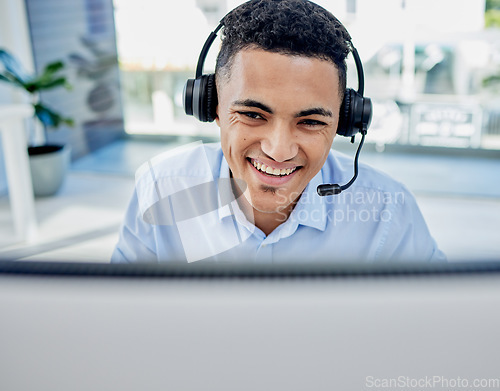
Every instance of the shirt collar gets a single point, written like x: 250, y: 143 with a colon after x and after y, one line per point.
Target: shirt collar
x: 309, y: 211
x: 224, y: 174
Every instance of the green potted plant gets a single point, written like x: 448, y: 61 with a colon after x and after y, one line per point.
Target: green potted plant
x: 48, y: 162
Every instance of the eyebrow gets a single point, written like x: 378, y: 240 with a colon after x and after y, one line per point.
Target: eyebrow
x: 313, y: 111
x: 253, y: 103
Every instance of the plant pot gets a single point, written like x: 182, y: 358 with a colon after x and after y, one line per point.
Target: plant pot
x: 48, y: 164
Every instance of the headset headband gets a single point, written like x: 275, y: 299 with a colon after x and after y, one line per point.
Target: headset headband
x: 213, y: 35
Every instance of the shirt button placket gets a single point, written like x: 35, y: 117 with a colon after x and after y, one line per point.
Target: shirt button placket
x: 264, y: 252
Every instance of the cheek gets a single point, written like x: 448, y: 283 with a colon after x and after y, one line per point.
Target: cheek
x: 318, y: 147
x: 230, y: 127
x: 232, y: 142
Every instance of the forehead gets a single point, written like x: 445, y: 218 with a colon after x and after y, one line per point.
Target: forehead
x: 281, y: 77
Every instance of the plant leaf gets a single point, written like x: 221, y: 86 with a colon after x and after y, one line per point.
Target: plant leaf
x: 13, y: 66
x: 50, y: 118
x: 53, y: 67
x: 12, y: 79
x: 45, y: 84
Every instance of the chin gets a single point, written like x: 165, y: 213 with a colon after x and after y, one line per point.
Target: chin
x: 267, y: 201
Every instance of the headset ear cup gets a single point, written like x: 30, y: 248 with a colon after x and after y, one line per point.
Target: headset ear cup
x: 211, y: 99
x: 187, y: 97
x: 355, y: 114
x: 344, y: 127
x: 367, y: 110
x: 205, y: 98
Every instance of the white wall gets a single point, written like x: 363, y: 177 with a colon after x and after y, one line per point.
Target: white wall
x: 14, y: 37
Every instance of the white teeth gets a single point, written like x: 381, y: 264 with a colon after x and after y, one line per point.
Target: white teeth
x: 272, y: 171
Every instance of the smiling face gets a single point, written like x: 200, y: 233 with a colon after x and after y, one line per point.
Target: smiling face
x: 278, y: 115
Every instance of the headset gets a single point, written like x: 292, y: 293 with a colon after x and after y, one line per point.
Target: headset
x: 200, y: 100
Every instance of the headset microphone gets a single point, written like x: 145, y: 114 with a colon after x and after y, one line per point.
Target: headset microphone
x: 200, y: 100
x: 332, y: 189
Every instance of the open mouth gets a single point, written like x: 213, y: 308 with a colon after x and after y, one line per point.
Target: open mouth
x: 273, y: 172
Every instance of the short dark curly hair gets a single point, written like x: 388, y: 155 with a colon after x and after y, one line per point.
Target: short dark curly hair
x: 291, y: 27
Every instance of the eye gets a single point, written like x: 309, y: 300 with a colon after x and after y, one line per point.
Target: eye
x: 312, y: 122
x: 250, y: 114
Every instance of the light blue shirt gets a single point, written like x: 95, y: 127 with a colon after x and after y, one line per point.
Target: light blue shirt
x: 183, y: 209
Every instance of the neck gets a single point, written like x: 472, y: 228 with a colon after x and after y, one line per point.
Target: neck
x: 267, y: 222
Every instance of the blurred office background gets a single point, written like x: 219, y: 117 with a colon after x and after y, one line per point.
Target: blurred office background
x: 432, y: 69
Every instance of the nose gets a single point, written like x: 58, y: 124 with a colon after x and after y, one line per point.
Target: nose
x: 279, y: 143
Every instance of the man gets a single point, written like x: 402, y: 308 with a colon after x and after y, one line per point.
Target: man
x: 280, y: 82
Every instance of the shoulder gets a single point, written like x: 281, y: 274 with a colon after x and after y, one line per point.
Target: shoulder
x: 380, y: 210
x: 373, y: 190
x: 194, y: 159
x: 175, y: 171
